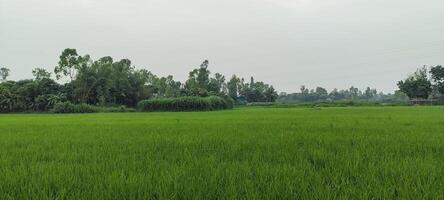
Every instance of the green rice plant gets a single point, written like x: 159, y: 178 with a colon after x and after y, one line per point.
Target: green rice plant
x: 244, y: 153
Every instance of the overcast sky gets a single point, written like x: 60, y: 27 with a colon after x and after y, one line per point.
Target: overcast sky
x: 287, y: 43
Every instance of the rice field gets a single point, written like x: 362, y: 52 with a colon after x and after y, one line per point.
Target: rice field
x: 246, y: 153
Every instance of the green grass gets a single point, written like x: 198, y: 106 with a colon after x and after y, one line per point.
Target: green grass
x: 248, y: 153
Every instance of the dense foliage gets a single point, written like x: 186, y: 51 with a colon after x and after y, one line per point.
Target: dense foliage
x: 30, y: 95
x: 106, y: 82
x: 190, y: 103
x: 424, y: 83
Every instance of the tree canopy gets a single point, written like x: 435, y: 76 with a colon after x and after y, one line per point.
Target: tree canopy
x: 437, y: 74
x: 4, y: 73
x: 416, y: 85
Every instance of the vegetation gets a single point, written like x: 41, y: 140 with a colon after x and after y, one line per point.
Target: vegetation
x: 353, y: 94
x: 247, y: 153
x: 108, y: 83
x: 338, y: 103
x: 424, y: 83
x: 417, y: 85
x: 4, y: 73
x: 191, y: 103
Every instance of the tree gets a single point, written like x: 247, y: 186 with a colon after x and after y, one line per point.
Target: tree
x: 257, y: 91
x: 416, y: 85
x: 321, y: 93
x: 167, y: 87
x: 354, y: 92
x: 198, y: 80
x: 69, y: 63
x: 270, y: 94
x: 40, y: 73
x: 233, y: 87
x: 216, y: 85
x: 4, y: 73
x: 370, y: 93
x: 304, y: 90
x: 437, y: 74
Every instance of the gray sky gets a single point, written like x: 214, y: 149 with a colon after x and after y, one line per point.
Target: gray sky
x: 288, y: 43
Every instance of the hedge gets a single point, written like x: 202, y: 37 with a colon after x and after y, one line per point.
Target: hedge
x: 189, y: 103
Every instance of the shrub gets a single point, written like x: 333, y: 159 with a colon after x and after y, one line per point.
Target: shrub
x: 189, y: 103
x: 68, y: 107
x: 229, y: 102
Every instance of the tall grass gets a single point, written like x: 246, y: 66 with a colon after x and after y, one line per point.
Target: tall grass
x: 248, y: 153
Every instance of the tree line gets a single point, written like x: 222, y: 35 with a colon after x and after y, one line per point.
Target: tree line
x: 106, y: 82
x: 320, y: 94
x: 425, y: 83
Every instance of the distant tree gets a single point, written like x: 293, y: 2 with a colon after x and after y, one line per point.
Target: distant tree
x: 370, y: 93
x: 270, y: 94
x: 252, y: 82
x: 257, y: 91
x: 203, y: 75
x: 334, y: 94
x: 233, y: 86
x: 4, y: 73
x: 69, y: 63
x: 217, y: 85
x: 416, y: 85
x: 168, y: 87
x: 321, y: 93
x: 198, y: 80
x: 40, y: 73
x: 354, y: 92
x: 437, y: 74
x: 304, y: 90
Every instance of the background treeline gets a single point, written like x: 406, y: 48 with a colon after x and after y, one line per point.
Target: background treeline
x: 353, y: 94
x: 427, y: 83
x: 109, y: 83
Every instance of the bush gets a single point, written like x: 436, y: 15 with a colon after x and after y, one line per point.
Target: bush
x: 186, y: 104
x: 229, y: 102
x: 68, y: 107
